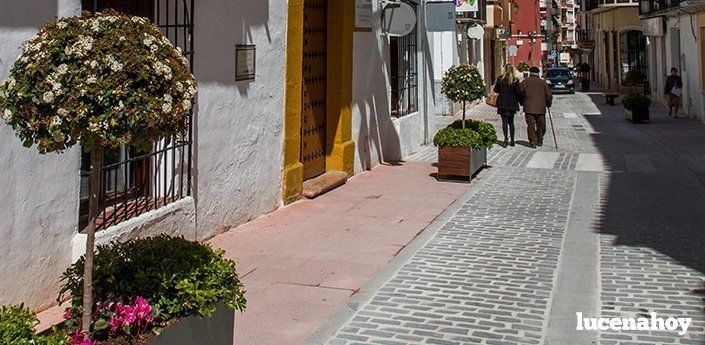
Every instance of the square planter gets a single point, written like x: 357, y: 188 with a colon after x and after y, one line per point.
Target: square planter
x: 460, y: 161
x: 637, y: 115
x: 215, y: 330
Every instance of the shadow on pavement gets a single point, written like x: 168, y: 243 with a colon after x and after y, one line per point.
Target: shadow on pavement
x: 655, y: 194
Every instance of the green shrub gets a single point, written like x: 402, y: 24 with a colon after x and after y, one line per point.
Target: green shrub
x: 477, y: 134
x: 17, y: 328
x: 179, y: 278
x: 635, y: 100
x: 17, y: 325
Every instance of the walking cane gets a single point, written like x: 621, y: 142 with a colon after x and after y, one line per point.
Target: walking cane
x: 553, y: 130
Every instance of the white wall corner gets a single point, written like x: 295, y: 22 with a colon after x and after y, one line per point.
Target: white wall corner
x: 78, y: 246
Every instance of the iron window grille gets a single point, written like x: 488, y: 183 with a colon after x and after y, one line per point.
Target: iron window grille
x: 634, y: 53
x: 404, y: 73
x: 134, y: 182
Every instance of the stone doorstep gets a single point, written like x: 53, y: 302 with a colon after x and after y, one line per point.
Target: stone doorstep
x: 324, y: 183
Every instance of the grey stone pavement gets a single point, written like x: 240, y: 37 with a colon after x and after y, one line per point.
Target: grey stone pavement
x: 610, y: 224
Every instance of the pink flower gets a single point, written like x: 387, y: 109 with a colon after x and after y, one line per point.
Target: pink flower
x: 81, y: 339
x: 128, y: 313
x: 115, y: 323
x: 143, y: 309
x: 67, y: 314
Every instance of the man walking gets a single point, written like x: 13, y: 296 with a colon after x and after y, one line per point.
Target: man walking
x: 537, y: 96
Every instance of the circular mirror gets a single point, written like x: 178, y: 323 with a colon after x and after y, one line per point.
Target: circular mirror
x: 398, y: 19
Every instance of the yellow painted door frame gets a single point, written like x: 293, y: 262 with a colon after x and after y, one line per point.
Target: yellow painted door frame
x: 340, y: 149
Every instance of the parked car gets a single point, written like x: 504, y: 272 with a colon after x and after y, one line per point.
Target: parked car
x: 560, y: 79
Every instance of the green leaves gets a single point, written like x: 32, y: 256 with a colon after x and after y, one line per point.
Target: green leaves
x: 17, y: 328
x: 635, y: 100
x: 179, y: 278
x: 477, y: 134
x: 463, y: 83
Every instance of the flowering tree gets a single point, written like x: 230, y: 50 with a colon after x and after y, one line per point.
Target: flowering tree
x: 105, y: 80
x: 463, y: 83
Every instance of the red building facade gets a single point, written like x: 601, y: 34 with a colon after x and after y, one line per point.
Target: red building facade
x: 526, y: 33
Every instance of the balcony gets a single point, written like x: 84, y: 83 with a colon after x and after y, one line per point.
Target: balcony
x: 649, y: 8
x: 596, y: 4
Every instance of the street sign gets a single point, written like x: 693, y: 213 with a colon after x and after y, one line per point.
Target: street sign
x: 512, y: 49
x: 398, y: 19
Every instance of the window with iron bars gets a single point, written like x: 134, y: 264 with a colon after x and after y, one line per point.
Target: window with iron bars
x: 404, y: 73
x: 134, y: 182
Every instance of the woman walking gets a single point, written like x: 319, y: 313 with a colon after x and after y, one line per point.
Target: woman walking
x: 673, y: 91
x: 508, y: 98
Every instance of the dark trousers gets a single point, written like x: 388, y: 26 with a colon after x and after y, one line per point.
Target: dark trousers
x: 536, y: 128
x: 507, y: 123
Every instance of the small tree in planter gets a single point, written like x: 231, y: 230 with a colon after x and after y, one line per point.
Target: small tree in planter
x: 104, y: 80
x: 637, y: 106
x: 462, y: 148
x: 463, y: 83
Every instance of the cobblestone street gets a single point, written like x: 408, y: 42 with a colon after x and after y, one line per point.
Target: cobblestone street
x: 610, y: 224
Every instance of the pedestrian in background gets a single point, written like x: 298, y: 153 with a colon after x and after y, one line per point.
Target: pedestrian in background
x: 508, y: 97
x: 673, y: 91
x: 537, y: 97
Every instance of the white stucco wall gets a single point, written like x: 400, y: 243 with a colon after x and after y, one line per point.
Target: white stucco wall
x: 379, y: 137
x: 239, y: 127
x: 39, y: 193
x: 692, y: 99
x: 237, y: 149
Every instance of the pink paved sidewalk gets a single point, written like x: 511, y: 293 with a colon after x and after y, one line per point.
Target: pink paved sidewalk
x: 302, y: 262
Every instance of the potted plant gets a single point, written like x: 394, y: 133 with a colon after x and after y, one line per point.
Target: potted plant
x: 157, y: 290
x: 637, y: 107
x: 584, y: 81
x: 523, y: 67
x: 106, y: 80
x: 462, y: 148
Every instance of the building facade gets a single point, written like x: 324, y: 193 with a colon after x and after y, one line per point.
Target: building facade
x: 330, y: 92
x: 526, y: 33
x: 620, y: 61
x: 674, y: 29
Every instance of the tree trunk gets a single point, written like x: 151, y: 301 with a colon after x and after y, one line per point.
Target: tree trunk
x: 463, y: 114
x: 94, y: 199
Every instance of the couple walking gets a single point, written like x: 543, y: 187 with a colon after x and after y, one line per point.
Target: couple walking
x: 533, y: 93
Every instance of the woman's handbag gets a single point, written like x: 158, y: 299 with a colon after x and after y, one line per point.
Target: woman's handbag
x: 491, y: 99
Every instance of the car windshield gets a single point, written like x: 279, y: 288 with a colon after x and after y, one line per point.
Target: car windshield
x: 558, y: 73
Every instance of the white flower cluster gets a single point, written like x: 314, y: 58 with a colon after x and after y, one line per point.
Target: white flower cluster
x: 7, y: 115
x: 89, y: 88
x: 114, y: 65
x: 81, y: 47
x: 162, y: 69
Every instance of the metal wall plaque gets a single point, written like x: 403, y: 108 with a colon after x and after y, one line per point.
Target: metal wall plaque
x: 245, y: 62
x: 363, y: 15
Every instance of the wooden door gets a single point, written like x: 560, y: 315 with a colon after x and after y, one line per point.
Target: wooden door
x: 313, y: 112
